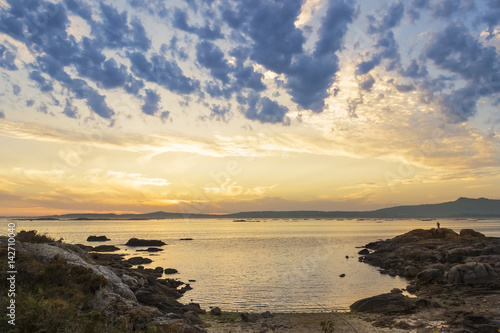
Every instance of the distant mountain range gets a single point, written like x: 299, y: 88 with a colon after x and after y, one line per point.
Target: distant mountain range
x: 461, y: 208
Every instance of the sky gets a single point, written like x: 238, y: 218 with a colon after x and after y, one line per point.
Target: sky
x: 220, y: 106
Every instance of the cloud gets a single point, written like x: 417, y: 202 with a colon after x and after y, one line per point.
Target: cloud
x: 211, y: 57
x: 265, y: 110
x: 456, y: 50
x: 153, y: 7
x: 70, y: 110
x: 415, y: 70
x: 163, y: 72
x: 415, y: 8
x: 2, y: 115
x: 220, y: 113
x: 164, y: 115
x: 43, y: 84
x: 8, y: 57
x: 151, y: 102
x: 115, y: 31
x: 402, y: 88
x: 180, y: 22
x: 388, y: 48
x: 367, y: 84
x: 79, y: 8
x: 390, y: 20
x: 175, y: 49
x: 490, y: 17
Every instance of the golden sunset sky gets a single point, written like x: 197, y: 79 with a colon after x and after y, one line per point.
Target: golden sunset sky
x: 227, y: 106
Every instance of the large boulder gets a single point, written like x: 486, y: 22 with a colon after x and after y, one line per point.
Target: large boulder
x: 459, y: 254
x: 471, y: 233
x: 144, y: 242
x: 429, y: 275
x: 384, y: 303
x: 410, y: 271
x: 470, y: 273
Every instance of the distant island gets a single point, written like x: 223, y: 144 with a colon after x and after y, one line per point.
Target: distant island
x: 460, y: 208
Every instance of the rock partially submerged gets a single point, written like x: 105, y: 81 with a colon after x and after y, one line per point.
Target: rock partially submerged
x: 106, y: 248
x: 97, y: 239
x: 150, y: 249
x: 144, y: 242
x: 139, y: 261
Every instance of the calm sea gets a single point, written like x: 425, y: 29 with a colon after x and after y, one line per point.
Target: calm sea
x: 276, y: 265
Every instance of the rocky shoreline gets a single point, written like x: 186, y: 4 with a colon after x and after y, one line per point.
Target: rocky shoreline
x: 454, y: 286
x: 454, y: 278
x: 119, y: 298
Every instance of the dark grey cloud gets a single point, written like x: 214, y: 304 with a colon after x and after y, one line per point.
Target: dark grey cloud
x: 16, y: 90
x: 8, y: 57
x: 246, y: 77
x: 79, y: 8
x: 215, y: 90
x: 44, y: 84
x: 264, y: 110
x: 163, y: 72
x: 220, y: 113
x: 176, y: 51
x: 30, y: 102
x: 367, y: 84
x: 386, y: 49
x: 490, y: 16
x: 152, y: 7
x: 271, y: 25
x: 180, y: 21
x: 446, y: 8
x: 390, y: 20
x: 151, y: 102
x: 210, y: 56
x: 2, y: 115
x: 405, y: 87
x: 164, y: 115
x: 41, y: 25
x: 415, y: 7
x: 278, y: 45
x: 415, y: 70
x: 70, y: 110
x: 115, y: 31
x: 458, y: 51
x: 96, y: 102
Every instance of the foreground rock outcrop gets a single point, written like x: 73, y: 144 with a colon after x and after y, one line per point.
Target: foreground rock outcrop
x: 445, y: 269
x: 70, y: 291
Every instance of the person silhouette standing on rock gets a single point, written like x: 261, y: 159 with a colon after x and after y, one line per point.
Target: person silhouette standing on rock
x: 438, y: 225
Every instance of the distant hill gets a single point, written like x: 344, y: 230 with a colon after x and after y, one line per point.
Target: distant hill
x: 461, y: 208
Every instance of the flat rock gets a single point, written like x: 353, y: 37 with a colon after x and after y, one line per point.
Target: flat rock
x: 171, y: 271
x: 144, y: 242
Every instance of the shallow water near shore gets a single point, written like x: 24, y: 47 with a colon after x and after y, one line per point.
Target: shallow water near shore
x: 274, y: 265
